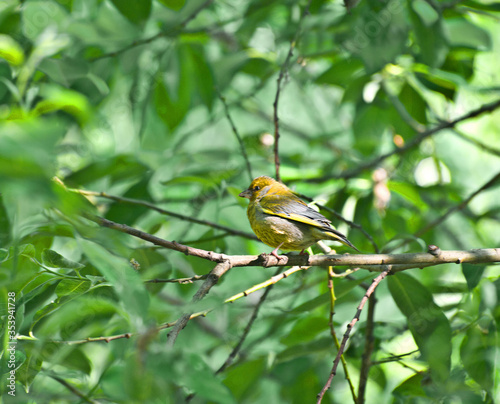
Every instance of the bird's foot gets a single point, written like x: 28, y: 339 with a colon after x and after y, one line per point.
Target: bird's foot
x: 278, y: 257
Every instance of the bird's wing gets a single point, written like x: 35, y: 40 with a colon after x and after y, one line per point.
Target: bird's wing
x: 292, y: 208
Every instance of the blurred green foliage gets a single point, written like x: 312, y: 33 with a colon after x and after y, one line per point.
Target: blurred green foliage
x: 127, y: 98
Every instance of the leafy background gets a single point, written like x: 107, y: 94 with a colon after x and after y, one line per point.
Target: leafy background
x: 134, y: 98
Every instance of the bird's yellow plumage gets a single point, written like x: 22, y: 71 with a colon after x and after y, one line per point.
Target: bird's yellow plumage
x: 281, y: 220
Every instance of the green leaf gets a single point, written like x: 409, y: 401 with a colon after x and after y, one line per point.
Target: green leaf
x: 477, y: 352
x: 430, y: 38
x: 117, y: 168
x: 204, y: 382
x: 126, y: 282
x: 52, y: 259
x: 493, y: 6
x: 461, y: 32
x: 342, y: 73
x: 4, y: 254
x: 243, y: 377
x: 4, y: 224
x: 11, y: 51
x: 61, y: 99
x: 72, y: 287
x: 425, y: 11
x: 31, y: 366
x: 175, y: 5
x: 305, y: 330
x: 473, y: 274
x: 171, y: 107
x: 28, y: 250
x: 203, y: 76
x: 409, y: 192
x: 414, y: 103
x: 429, y: 326
x: 411, y: 387
x: 136, y: 11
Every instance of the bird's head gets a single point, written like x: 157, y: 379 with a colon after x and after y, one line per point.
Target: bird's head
x: 260, y: 186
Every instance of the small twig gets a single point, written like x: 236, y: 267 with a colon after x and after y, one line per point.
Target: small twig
x: 139, y: 202
x: 366, y: 357
x: 236, y: 133
x: 73, y: 389
x: 394, y: 358
x: 281, y: 75
x: 213, y: 277
x: 180, y: 281
x: 460, y: 206
x: 110, y: 338
x: 269, y: 282
x: 238, y: 346
x: 367, y: 295
x: 174, y: 30
x: 333, y: 298
x: 474, y: 141
x: 409, y: 145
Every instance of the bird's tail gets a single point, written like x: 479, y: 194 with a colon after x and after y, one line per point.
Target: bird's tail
x: 338, y: 236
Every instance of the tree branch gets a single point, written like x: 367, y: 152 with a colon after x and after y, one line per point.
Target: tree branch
x: 174, y: 30
x: 213, y: 277
x: 281, y: 75
x: 122, y: 199
x: 367, y: 295
x: 460, y: 206
x: 412, y: 143
x: 366, y: 361
x: 73, y: 389
x: 238, y: 137
x: 372, y: 262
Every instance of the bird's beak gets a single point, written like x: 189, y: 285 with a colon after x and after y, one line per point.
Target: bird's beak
x: 247, y: 193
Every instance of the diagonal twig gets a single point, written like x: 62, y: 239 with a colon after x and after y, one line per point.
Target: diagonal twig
x: 412, y: 143
x: 236, y: 133
x: 149, y: 205
x: 365, y: 298
x: 174, y: 30
x: 281, y: 75
x: 492, y: 182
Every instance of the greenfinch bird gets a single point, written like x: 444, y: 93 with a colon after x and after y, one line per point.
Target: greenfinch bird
x: 280, y: 219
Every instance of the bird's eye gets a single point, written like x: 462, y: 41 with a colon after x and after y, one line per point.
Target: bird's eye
x: 256, y: 188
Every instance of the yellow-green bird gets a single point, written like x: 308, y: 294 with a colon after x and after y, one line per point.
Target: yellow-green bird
x: 282, y: 220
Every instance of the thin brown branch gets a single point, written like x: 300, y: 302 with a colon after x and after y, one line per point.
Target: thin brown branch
x: 238, y: 137
x: 149, y: 205
x: 281, y: 75
x: 172, y: 31
x: 367, y: 295
x: 110, y: 338
x: 372, y: 262
x: 171, y: 245
x: 247, y: 329
x: 213, y: 277
x: 394, y: 358
x: 333, y: 298
x: 409, y: 145
x: 474, y: 141
x: 492, y: 182
x: 73, y: 389
x: 366, y: 362
x: 181, y: 281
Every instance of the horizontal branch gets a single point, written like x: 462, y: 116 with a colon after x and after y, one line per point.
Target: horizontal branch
x: 372, y: 262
